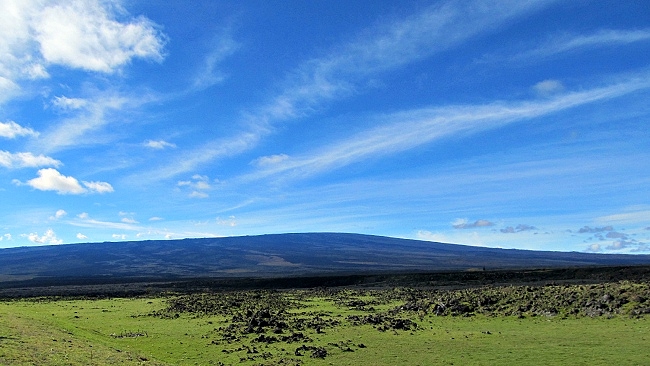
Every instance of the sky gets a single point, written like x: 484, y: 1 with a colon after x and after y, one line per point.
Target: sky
x: 511, y: 123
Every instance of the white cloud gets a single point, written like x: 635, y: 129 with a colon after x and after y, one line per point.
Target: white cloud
x: 81, y: 34
x: 594, y: 248
x: 270, y: 160
x: 465, y: 238
x: 431, y: 236
x: 67, y: 104
x: 18, y: 54
x: 129, y: 220
x: 618, y: 245
x: 84, y: 34
x: 58, y: 214
x: 199, y: 185
x: 26, y: 160
x: 230, y: 221
x: 11, y: 129
x: 49, y: 237
x: 158, y: 144
x: 98, y: 187
x: 548, y: 87
x: 8, y: 89
x: 81, y: 236
x: 119, y: 236
x: 197, y: 194
x: 83, y: 215
x: 51, y: 180
x: 156, y: 218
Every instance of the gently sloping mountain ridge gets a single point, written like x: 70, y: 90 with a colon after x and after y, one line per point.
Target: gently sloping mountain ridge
x: 278, y: 255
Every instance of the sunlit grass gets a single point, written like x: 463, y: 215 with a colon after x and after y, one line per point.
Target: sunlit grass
x: 122, y: 331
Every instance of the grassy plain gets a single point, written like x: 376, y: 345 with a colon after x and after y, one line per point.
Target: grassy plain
x: 334, y: 327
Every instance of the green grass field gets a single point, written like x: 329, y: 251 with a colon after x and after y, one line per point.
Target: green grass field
x: 304, y: 327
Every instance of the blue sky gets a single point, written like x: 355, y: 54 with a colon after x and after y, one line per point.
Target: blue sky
x: 513, y: 124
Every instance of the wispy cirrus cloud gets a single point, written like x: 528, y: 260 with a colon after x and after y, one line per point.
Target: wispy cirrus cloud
x: 605, y: 37
x: 87, y: 116
x: 563, y: 43
x: 343, y: 71
x: 633, y: 215
x: 270, y: 160
x: 406, y: 130
x: 87, y: 221
x: 222, y: 46
x: 159, y: 144
x: 130, y: 225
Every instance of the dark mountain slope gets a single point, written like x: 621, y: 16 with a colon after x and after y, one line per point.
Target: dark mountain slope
x: 278, y: 255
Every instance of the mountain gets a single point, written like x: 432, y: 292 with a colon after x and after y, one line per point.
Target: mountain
x: 277, y: 255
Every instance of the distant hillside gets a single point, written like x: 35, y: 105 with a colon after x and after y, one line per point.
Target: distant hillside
x: 278, y: 255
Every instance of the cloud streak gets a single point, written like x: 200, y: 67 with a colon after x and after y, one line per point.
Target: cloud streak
x: 410, y: 129
x: 88, y: 115
x: 158, y: 144
x: 605, y: 37
x: 341, y: 72
x: 559, y: 44
x: 209, y: 74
